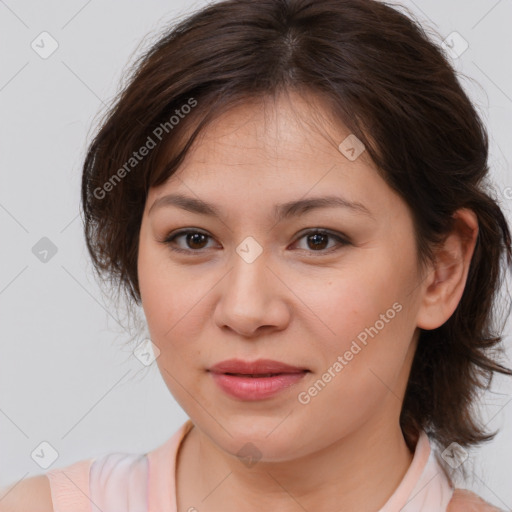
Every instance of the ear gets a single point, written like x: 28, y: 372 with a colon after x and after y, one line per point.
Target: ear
x: 444, y: 286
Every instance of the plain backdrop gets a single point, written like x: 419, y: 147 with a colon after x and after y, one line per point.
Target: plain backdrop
x: 67, y: 374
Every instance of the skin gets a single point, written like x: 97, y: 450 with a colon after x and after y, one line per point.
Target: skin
x: 295, y: 303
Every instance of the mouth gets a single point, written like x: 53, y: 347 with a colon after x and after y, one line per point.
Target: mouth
x: 258, y: 368
x: 258, y: 380
x: 258, y: 375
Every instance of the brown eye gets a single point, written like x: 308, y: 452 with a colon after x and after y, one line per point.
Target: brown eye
x: 194, y: 241
x: 318, y: 241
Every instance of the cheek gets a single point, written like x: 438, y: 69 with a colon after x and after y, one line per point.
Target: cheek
x: 159, y: 290
x: 151, y: 290
x: 370, y: 326
x: 352, y: 301
x: 171, y: 300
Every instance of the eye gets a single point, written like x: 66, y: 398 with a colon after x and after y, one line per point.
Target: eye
x: 318, y: 240
x: 194, y: 241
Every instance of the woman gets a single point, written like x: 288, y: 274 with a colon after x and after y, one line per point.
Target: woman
x: 293, y: 192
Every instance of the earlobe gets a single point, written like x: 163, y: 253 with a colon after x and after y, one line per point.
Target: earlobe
x: 443, y: 289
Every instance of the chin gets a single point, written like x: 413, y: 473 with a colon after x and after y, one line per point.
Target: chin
x: 259, y: 439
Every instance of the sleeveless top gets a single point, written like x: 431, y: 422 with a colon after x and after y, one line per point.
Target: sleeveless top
x: 123, y: 482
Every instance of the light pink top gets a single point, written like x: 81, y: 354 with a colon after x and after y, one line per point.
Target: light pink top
x: 120, y: 482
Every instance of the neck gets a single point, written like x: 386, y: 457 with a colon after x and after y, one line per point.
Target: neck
x: 360, y: 470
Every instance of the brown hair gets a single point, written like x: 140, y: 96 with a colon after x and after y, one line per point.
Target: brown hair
x: 391, y: 86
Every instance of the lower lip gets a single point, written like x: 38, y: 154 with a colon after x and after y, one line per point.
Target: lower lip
x: 255, y: 388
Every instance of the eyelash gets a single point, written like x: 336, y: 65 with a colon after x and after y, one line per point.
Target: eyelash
x: 341, y: 240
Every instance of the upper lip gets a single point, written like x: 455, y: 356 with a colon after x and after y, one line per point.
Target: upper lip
x: 260, y: 366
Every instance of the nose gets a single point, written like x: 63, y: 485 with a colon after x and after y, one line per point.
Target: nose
x: 253, y: 298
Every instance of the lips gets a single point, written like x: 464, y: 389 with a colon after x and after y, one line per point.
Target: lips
x: 256, y: 380
x: 259, y: 368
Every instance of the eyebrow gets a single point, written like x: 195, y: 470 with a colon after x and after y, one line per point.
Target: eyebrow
x: 281, y: 211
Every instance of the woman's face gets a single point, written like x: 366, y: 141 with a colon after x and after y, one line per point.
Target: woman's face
x: 253, y: 284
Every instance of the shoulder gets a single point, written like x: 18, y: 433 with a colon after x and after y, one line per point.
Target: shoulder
x: 29, y: 494
x: 467, y: 501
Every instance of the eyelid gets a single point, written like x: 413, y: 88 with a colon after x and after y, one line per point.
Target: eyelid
x: 339, y: 237
x: 180, y: 232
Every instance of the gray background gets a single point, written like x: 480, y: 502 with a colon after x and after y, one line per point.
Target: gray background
x: 67, y: 374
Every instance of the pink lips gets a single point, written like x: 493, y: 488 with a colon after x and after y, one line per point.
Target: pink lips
x: 255, y: 380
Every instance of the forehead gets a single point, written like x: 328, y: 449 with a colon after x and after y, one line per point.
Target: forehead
x: 283, y: 135
x: 282, y: 148
x: 289, y: 123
